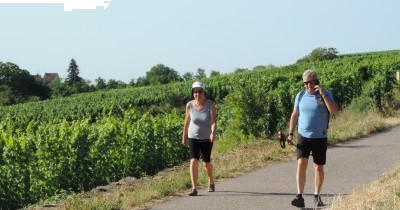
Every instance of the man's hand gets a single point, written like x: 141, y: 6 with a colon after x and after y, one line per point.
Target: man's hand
x: 319, y: 88
x: 289, y: 139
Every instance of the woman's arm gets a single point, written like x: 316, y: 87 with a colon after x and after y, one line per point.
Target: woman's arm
x: 186, y: 126
x: 213, y: 121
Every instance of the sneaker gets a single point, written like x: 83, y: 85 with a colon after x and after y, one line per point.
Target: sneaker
x: 193, y: 193
x: 211, y: 187
x: 318, y: 202
x: 298, y: 201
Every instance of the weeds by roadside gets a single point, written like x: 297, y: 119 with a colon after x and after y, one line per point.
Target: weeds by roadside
x: 381, y: 194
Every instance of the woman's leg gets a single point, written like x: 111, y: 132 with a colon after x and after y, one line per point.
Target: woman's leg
x: 194, y: 172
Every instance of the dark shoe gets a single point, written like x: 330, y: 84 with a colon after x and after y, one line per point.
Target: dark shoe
x: 211, y: 187
x: 193, y: 193
x: 318, y: 202
x: 298, y: 201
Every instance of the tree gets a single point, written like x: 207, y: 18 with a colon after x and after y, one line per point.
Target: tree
x: 260, y: 67
x: 319, y: 54
x: 187, y: 76
x: 114, y: 84
x: 200, y: 74
x: 73, y: 73
x: 132, y: 82
x: 239, y: 70
x: 215, y: 73
x: 161, y: 74
x: 58, y: 88
x: 142, y: 81
x: 17, y: 85
x: 100, y: 83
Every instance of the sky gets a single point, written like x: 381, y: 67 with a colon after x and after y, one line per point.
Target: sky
x: 129, y: 37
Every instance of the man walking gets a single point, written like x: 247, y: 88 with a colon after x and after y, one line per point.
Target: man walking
x: 311, y: 116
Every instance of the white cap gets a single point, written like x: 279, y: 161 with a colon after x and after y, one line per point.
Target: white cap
x: 199, y: 85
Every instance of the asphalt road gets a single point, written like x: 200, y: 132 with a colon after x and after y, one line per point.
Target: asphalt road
x: 349, y: 165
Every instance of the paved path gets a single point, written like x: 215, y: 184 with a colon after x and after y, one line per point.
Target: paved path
x: 349, y: 165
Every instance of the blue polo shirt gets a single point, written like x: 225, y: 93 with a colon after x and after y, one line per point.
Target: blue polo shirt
x: 313, y: 117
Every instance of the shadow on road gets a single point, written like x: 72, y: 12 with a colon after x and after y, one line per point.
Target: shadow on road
x: 241, y: 193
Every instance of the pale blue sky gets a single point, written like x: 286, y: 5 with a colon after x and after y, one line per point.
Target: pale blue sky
x: 129, y: 37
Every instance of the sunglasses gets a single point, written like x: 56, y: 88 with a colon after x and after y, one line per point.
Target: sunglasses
x: 312, y: 82
x: 198, y: 91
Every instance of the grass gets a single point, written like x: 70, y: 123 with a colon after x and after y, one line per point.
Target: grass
x: 144, y: 192
x: 351, y: 125
x: 383, y: 194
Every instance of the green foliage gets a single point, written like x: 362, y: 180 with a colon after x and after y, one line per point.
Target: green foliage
x: 187, y: 76
x: 73, y: 73
x: 161, y: 74
x: 380, y: 89
x: 80, y: 155
x: 17, y: 85
x: 215, y: 73
x: 320, y: 54
x: 114, y: 84
x: 100, y: 83
x: 200, y: 74
x: 361, y: 104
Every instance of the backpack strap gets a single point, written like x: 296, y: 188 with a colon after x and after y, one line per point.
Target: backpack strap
x: 301, y: 95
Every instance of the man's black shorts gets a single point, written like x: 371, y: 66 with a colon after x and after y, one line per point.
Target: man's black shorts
x: 200, y: 145
x: 318, y: 147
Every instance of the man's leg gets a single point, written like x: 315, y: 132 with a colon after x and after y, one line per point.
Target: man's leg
x: 319, y: 175
x: 319, y: 151
x: 301, y: 174
x: 300, y: 181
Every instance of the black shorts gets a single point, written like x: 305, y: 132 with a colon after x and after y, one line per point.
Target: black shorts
x: 318, y: 147
x: 200, y: 145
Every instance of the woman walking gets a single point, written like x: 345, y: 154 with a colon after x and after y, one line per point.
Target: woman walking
x: 199, y: 134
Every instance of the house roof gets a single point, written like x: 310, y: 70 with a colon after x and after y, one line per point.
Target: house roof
x: 48, y: 77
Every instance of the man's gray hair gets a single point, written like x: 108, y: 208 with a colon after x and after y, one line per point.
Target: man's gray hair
x: 310, y: 74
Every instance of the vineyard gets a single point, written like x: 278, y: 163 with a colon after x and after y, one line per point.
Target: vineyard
x: 87, y: 140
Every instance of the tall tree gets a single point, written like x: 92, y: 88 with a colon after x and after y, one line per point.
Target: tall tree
x: 73, y: 73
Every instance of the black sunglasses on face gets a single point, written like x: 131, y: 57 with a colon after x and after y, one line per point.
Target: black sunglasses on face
x: 312, y: 82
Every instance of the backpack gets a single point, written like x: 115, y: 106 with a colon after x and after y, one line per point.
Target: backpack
x: 327, y: 110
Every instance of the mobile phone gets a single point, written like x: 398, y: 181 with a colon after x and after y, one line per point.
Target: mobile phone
x: 317, y: 83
